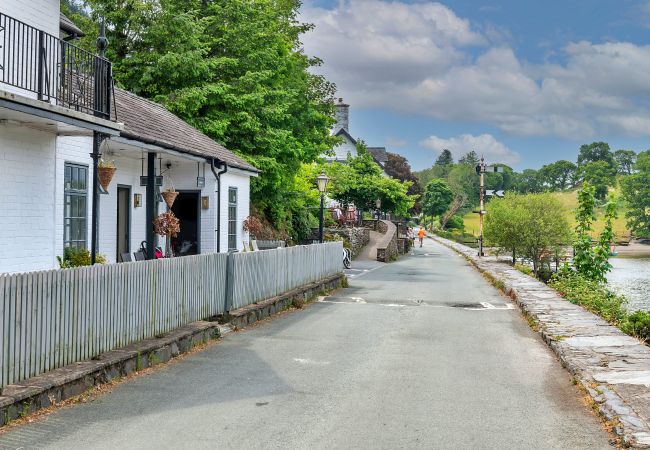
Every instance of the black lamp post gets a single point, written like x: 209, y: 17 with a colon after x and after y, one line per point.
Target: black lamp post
x: 322, y: 181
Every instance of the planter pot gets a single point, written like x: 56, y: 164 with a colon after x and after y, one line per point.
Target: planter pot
x: 105, y: 175
x: 169, y: 197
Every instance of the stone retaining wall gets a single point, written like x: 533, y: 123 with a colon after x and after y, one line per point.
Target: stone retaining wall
x: 357, y: 237
x: 613, y: 367
x: 387, y: 249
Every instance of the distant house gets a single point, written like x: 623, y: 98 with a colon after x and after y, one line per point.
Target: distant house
x: 348, y: 148
x: 380, y: 155
x: 58, y: 108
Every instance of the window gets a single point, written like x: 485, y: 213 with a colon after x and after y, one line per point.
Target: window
x: 75, y: 206
x: 232, y: 218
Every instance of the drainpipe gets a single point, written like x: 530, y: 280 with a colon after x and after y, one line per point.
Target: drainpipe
x: 217, y: 175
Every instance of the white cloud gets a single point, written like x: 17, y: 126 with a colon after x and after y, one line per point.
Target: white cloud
x: 484, y: 145
x: 422, y: 58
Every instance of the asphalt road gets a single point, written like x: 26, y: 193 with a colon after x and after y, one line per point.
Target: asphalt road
x: 391, y: 363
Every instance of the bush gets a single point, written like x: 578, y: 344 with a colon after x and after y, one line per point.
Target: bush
x: 592, y: 295
x: 455, y: 223
x: 77, y: 257
x: 638, y: 324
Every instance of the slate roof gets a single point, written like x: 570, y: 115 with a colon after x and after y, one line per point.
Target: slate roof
x: 152, y: 123
x: 68, y: 26
x: 345, y: 132
x: 379, y: 155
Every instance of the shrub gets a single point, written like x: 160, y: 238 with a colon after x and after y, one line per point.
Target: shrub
x: 592, y: 295
x: 77, y: 257
x: 455, y: 223
x: 638, y: 324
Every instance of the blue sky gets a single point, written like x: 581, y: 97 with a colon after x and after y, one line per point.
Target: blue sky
x: 523, y: 82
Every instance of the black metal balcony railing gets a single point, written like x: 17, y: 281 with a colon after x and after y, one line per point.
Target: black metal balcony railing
x: 55, y: 70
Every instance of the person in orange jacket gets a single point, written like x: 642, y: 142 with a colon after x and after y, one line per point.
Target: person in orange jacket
x: 421, y: 235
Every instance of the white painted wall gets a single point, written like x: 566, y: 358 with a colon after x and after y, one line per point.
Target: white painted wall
x: 41, y: 14
x: 27, y: 187
x: 240, y: 180
x: 341, y: 153
x: 32, y: 166
x: 182, y: 176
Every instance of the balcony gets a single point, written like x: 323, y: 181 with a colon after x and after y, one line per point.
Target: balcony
x: 41, y: 66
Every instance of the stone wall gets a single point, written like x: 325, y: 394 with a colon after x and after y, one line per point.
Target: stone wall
x: 387, y: 249
x: 357, y: 237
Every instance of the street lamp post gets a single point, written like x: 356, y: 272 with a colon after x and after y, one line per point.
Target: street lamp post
x: 377, y: 212
x: 322, y: 181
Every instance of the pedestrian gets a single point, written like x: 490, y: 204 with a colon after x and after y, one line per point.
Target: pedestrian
x: 421, y: 235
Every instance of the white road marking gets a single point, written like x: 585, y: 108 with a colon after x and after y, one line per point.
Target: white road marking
x: 486, y: 306
x: 311, y: 362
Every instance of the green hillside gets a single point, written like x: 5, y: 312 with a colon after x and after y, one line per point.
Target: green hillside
x: 569, y: 200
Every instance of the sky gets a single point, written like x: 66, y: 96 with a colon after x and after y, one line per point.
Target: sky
x: 522, y: 82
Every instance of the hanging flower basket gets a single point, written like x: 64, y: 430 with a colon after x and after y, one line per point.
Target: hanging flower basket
x: 169, y: 195
x: 105, y: 172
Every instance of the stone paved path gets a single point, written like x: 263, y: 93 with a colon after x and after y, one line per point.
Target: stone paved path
x: 614, y: 367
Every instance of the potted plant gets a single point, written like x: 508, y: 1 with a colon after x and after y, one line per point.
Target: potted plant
x: 169, y: 195
x: 105, y: 172
x: 168, y: 225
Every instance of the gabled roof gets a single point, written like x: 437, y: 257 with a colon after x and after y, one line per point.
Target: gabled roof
x: 68, y: 26
x: 345, y: 133
x: 379, y: 155
x: 152, y: 123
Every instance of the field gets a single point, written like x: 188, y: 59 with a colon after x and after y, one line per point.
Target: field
x: 569, y: 201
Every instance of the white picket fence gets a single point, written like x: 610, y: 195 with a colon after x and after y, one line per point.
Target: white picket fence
x: 260, y: 275
x: 53, y: 318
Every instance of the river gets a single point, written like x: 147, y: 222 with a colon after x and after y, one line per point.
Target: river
x: 631, y: 277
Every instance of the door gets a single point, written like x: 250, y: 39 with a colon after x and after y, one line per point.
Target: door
x: 123, y: 221
x: 187, y: 208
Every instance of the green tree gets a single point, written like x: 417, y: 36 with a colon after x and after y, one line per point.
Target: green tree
x: 236, y: 70
x: 445, y: 158
x: 596, y: 151
x: 600, y: 175
x: 464, y: 183
x: 625, y: 160
x: 398, y: 167
x: 504, y: 224
x: 528, y: 181
x: 360, y: 182
x: 469, y: 159
x: 592, y: 262
x: 533, y: 226
x: 437, y: 198
x: 636, y: 193
x: 558, y: 175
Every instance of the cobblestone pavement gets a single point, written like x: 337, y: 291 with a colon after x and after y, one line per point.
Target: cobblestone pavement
x: 614, y: 367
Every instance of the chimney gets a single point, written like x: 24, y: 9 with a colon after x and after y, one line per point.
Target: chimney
x: 342, y: 116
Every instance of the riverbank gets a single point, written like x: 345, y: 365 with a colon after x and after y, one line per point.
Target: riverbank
x: 612, y: 367
x: 633, y: 250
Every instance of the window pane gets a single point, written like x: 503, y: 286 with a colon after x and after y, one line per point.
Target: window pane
x: 75, y: 206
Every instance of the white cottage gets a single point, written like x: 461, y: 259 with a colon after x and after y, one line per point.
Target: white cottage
x: 58, y: 115
x: 348, y: 147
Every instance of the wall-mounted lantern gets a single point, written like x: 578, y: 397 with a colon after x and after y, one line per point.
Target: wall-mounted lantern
x: 137, y: 200
x: 205, y: 202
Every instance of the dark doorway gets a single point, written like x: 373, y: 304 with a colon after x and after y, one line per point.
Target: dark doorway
x: 187, y: 208
x: 123, y: 221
